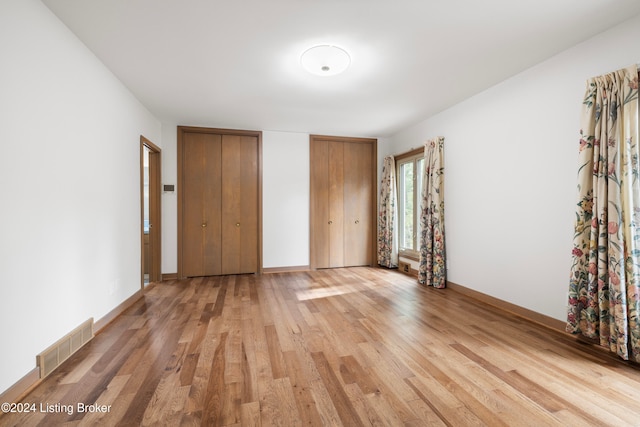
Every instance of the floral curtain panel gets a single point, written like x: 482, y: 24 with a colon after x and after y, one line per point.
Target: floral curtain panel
x: 432, y: 269
x: 387, y: 216
x: 604, y: 289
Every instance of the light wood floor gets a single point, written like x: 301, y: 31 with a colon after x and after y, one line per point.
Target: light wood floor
x: 348, y: 347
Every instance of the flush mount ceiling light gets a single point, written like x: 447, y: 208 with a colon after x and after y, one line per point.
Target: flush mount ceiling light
x: 325, y: 60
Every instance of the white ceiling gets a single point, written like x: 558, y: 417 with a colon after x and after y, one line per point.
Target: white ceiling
x: 236, y: 64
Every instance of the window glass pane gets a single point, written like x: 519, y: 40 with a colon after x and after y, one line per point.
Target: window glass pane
x: 406, y: 205
x: 419, y: 174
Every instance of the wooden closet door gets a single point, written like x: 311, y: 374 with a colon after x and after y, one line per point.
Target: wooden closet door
x: 249, y: 205
x: 357, y: 203
x: 342, y: 204
x: 327, y: 200
x: 239, y: 204
x: 202, y: 186
x: 319, y: 203
x: 219, y: 208
x: 336, y: 203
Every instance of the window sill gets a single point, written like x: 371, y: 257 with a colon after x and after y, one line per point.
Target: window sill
x: 414, y: 256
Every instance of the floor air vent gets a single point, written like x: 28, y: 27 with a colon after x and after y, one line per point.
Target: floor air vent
x: 404, y: 267
x: 53, y: 356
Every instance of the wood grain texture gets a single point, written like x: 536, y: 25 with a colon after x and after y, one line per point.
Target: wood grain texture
x: 335, y: 176
x: 319, y: 203
x: 352, y: 346
x: 249, y: 207
x: 358, y: 186
x: 343, y: 181
x: 232, y: 193
x: 219, y: 202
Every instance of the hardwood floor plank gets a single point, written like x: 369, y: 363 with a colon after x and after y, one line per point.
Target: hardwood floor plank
x: 319, y: 394
x: 387, y: 408
x: 278, y: 367
x: 517, y: 409
x: 161, y: 352
x: 287, y: 407
x: 250, y: 414
x: 447, y: 406
x: 212, y: 406
x: 107, y: 398
x: 233, y: 353
x: 219, y: 304
x: 542, y: 396
x: 353, y: 373
x: 81, y: 369
x: 161, y: 405
x: 188, y: 369
x: 231, y: 401
x: 377, y: 414
x: 341, y: 401
x: 250, y: 393
x: 352, y: 346
x: 388, y: 373
x: 301, y: 391
x: 426, y: 415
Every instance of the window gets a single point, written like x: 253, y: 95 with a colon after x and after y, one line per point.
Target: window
x: 409, y: 169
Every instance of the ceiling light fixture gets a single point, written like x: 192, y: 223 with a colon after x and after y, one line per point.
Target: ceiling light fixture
x: 325, y: 60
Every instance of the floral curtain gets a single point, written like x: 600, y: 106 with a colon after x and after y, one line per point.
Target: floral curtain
x: 604, y: 288
x: 387, y: 216
x: 432, y: 269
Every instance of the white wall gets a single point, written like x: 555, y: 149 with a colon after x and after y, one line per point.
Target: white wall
x: 70, y: 171
x: 169, y: 201
x: 511, y: 163
x: 285, y: 199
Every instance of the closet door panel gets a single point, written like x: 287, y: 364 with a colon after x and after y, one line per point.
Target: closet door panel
x: 319, y: 238
x: 193, y: 188
x: 357, y: 184
x: 211, y: 200
x: 367, y: 202
x: 231, y: 189
x: 248, y: 215
x: 336, y: 203
x: 201, y: 210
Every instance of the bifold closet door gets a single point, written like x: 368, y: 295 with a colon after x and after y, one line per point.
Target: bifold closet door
x: 239, y: 204
x: 336, y: 204
x: 219, y: 198
x: 327, y: 203
x: 342, y: 201
x: 319, y: 203
x: 357, y: 203
x: 202, y: 205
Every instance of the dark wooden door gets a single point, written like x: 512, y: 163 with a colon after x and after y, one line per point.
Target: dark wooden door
x: 201, y: 205
x: 239, y: 204
x: 219, y: 210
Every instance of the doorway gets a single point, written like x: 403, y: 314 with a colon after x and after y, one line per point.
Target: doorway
x: 150, y: 211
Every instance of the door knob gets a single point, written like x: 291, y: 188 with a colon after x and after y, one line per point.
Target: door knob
x: 237, y: 224
x: 357, y: 221
x: 330, y: 222
x: 204, y: 224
